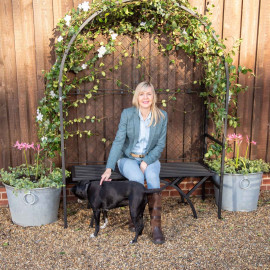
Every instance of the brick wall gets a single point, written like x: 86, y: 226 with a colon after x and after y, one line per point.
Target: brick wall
x: 3, y: 197
x: 169, y: 192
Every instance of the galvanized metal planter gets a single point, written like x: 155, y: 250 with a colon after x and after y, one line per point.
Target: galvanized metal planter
x: 240, y: 192
x: 35, y: 207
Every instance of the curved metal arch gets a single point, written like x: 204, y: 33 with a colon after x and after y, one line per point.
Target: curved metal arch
x: 88, y: 20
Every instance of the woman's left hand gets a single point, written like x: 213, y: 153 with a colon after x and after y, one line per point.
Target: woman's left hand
x: 143, y: 166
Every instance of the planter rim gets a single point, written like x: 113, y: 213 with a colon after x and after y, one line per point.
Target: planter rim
x: 6, y: 185
x: 239, y: 173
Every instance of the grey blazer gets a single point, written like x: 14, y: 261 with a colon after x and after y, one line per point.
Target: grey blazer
x: 128, y: 134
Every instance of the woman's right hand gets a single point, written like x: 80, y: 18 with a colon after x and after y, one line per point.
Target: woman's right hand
x: 106, y: 176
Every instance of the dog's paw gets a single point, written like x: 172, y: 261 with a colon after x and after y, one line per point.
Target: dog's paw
x: 105, y: 224
x: 92, y: 236
x: 80, y: 201
x: 133, y: 242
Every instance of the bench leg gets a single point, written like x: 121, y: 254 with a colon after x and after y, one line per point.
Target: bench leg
x: 184, y: 196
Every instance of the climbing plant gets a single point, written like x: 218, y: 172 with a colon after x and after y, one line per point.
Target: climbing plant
x: 172, y: 29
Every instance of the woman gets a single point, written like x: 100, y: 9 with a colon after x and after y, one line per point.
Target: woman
x: 138, y: 145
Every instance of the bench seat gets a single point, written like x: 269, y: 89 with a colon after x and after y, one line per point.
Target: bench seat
x: 171, y: 173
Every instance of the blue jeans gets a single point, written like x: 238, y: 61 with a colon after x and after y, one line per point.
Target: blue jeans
x: 130, y: 168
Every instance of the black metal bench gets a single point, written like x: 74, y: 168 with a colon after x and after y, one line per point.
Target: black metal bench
x: 171, y: 174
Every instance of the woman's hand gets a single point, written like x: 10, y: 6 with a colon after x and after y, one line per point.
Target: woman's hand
x: 106, y: 176
x: 143, y: 166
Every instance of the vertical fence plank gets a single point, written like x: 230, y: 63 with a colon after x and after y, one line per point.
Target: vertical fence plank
x: 26, y: 67
x: 43, y: 22
x: 9, y: 89
x: 232, y: 29
x: 60, y: 8
x: 199, y: 5
x: 4, y: 130
x: 260, y: 121
x: 232, y: 23
x: 217, y: 16
x: 247, y: 59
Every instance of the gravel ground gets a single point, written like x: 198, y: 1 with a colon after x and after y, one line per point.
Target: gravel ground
x: 239, y: 241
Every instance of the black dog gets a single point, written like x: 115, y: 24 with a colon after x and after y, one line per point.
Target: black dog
x: 114, y: 194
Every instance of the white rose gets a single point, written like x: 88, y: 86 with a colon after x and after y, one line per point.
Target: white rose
x: 60, y: 39
x: 84, y: 66
x: 67, y: 19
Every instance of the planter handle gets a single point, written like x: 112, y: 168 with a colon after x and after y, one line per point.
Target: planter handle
x: 33, y: 198
x: 241, y: 183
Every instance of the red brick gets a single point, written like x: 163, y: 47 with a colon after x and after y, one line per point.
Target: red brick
x: 197, y: 192
x: 4, y: 195
x: 263, y: 187
x: 3, y: 202
x: 165, y: 193
x: 169, y: 188
x: 174, y: 193
x: 208, y: 191
x: 2, y: 189
x: 266, y: 181
x: 209, y: 185
x: 189, y: 185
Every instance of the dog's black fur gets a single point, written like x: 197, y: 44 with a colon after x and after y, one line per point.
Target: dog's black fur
x: 114, y: 194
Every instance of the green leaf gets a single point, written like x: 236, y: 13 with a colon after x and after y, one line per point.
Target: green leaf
x: 169, y: 47
x: 103, y: 73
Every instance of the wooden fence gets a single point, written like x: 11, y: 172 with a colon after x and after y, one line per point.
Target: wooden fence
x: 26, y: 48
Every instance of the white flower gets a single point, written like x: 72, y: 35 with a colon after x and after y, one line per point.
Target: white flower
x: 39, y: 115
x: 84, y: 66
x: 184, y: 32
x: 142, y: 23
x: 101, y: 51
x: 52, y: 94
x: 44, y: 139
x: 67, y: 19
x: 84, y: 6
x: 60, y: 99
x: 60, y: 39
x: 114, y: 35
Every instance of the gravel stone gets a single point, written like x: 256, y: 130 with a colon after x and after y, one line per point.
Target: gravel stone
x: 240, y: 240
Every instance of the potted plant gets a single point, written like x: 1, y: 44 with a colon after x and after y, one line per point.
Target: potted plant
x: 242, y: 177
x: 33, y: 191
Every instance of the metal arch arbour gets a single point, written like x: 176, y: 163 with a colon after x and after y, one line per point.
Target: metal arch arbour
x: 89, y: 19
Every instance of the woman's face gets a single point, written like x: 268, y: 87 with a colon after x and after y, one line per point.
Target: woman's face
x: 145, y: 98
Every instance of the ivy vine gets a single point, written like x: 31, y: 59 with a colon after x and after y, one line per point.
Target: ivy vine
x: 160, y: 18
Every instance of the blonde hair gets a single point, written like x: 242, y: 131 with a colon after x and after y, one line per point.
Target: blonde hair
x: 155, y: 111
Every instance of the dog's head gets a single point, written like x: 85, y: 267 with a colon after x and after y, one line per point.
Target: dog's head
x: 80, y: 189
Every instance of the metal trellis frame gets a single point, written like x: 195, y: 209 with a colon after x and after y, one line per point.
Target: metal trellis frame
x: 88, y: 20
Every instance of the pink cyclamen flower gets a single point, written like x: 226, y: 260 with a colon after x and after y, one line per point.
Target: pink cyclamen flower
x: 19, y: 146
x: 239, y: 137
x: 231, y: 137
x: 253, y: 142
x: 31, y: 146
x: 38, y: 149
